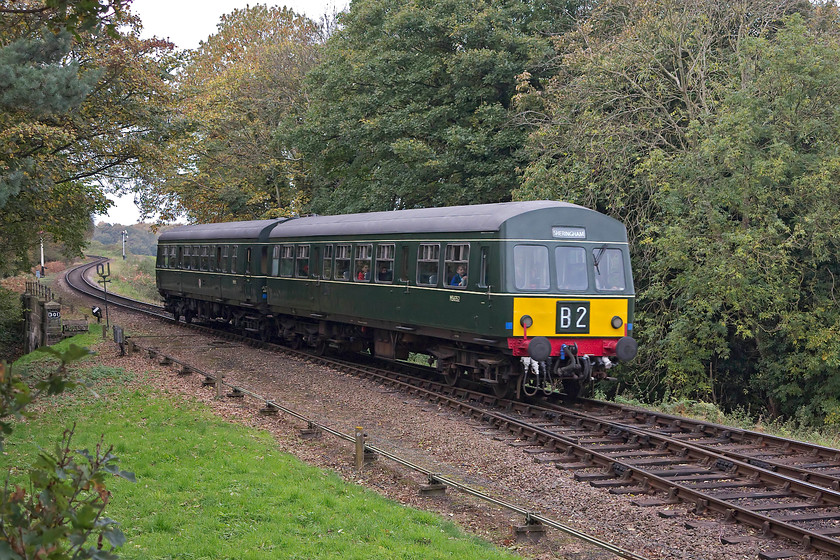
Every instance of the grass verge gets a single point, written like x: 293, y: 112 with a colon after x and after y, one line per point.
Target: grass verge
x: 207, y: 489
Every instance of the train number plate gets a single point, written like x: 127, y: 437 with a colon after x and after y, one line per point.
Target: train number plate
x: 573, y: 317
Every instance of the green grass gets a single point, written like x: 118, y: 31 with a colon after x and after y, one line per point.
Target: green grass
x: 134, y: 278
x: 827, y: 436
x: 207, y: 489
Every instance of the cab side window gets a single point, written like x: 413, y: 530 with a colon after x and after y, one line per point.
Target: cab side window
x: 275, y: 260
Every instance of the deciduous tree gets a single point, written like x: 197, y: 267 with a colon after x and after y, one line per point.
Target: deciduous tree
x: 410, y: 105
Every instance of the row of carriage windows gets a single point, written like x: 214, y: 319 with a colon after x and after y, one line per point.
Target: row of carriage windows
x: 359, y: 263
x: 364, y: 262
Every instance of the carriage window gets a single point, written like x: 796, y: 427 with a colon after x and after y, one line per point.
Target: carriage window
x: 457, y: 264
x: 225, y: 255
x: 248, y: 260
x: 571, y: 268
x: 205, y: 257
x: 326, y: 270
x: 233, y: 255
x: 428, y: 260
x: 287, y: 260
x: 302, y: 261
x: 362, y: 262
x: 342, y: 262
x: 609, y: 269
x: 275, y: 260
x: 161, y: 256
x: 180, y: 260
x: 218, y: 264
x: 195, y: 257
x: 385, y: 263
x: 530, y: 264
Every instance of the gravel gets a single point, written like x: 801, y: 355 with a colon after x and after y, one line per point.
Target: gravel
x: 437, y: 438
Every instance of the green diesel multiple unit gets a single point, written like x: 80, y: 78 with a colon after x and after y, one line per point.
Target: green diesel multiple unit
x: 522, y: 296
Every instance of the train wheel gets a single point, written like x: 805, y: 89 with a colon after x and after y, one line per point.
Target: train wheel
x: 189, y: 315
x: 451, y: 376
x: 265, y: 331
x: 176, y: 316
x: 321, y: 347
x: 503, y: 389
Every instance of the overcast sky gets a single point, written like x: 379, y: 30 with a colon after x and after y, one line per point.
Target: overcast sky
x: 186, y: 23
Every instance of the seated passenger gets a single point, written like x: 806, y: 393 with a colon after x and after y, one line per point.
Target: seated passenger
x: 385, y: 275
x: 364, y: 273
x: 460, y: 277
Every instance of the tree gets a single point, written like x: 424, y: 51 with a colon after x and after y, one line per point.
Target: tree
x: 751, y: 252
x: 237, y: 87
x: 702, y: 126
x: 410, y: 104
x: 83, y: 109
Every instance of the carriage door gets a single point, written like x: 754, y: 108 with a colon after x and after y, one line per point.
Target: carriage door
x: 248, y: 289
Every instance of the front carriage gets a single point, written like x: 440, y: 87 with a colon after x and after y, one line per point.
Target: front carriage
x: 479, y: 288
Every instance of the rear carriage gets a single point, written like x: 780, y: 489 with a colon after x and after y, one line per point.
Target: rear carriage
x: 522, y: 296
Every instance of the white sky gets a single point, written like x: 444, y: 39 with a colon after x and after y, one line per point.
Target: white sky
x: 186, y: 23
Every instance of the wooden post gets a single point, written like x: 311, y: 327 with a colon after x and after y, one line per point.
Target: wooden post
x: 360, y: 447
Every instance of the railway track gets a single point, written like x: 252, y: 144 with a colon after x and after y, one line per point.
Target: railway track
x: 783, y: 488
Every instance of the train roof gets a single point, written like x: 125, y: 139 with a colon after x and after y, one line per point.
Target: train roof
x: 473, y: 218
x: 253, y: 229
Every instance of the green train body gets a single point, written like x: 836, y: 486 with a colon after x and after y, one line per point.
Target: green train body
x: 544, y: 297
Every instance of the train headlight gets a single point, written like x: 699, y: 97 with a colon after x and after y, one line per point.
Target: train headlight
x: 616, y: 322
x: 526, y: 321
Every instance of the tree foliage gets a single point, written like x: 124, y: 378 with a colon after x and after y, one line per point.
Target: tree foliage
x: 236, y: 88
x: 711, y: 130
x: 83, y: 109
x: 410, y: 104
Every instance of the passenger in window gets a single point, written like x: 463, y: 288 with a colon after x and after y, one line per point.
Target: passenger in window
x: 385, y: 275
x: 460, y: 277
x: 364, y: 273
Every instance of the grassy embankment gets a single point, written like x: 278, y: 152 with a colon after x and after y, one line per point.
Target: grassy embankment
x: 208, y: 489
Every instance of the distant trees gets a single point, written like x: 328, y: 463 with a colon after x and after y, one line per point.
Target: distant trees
x: 141, y: 239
